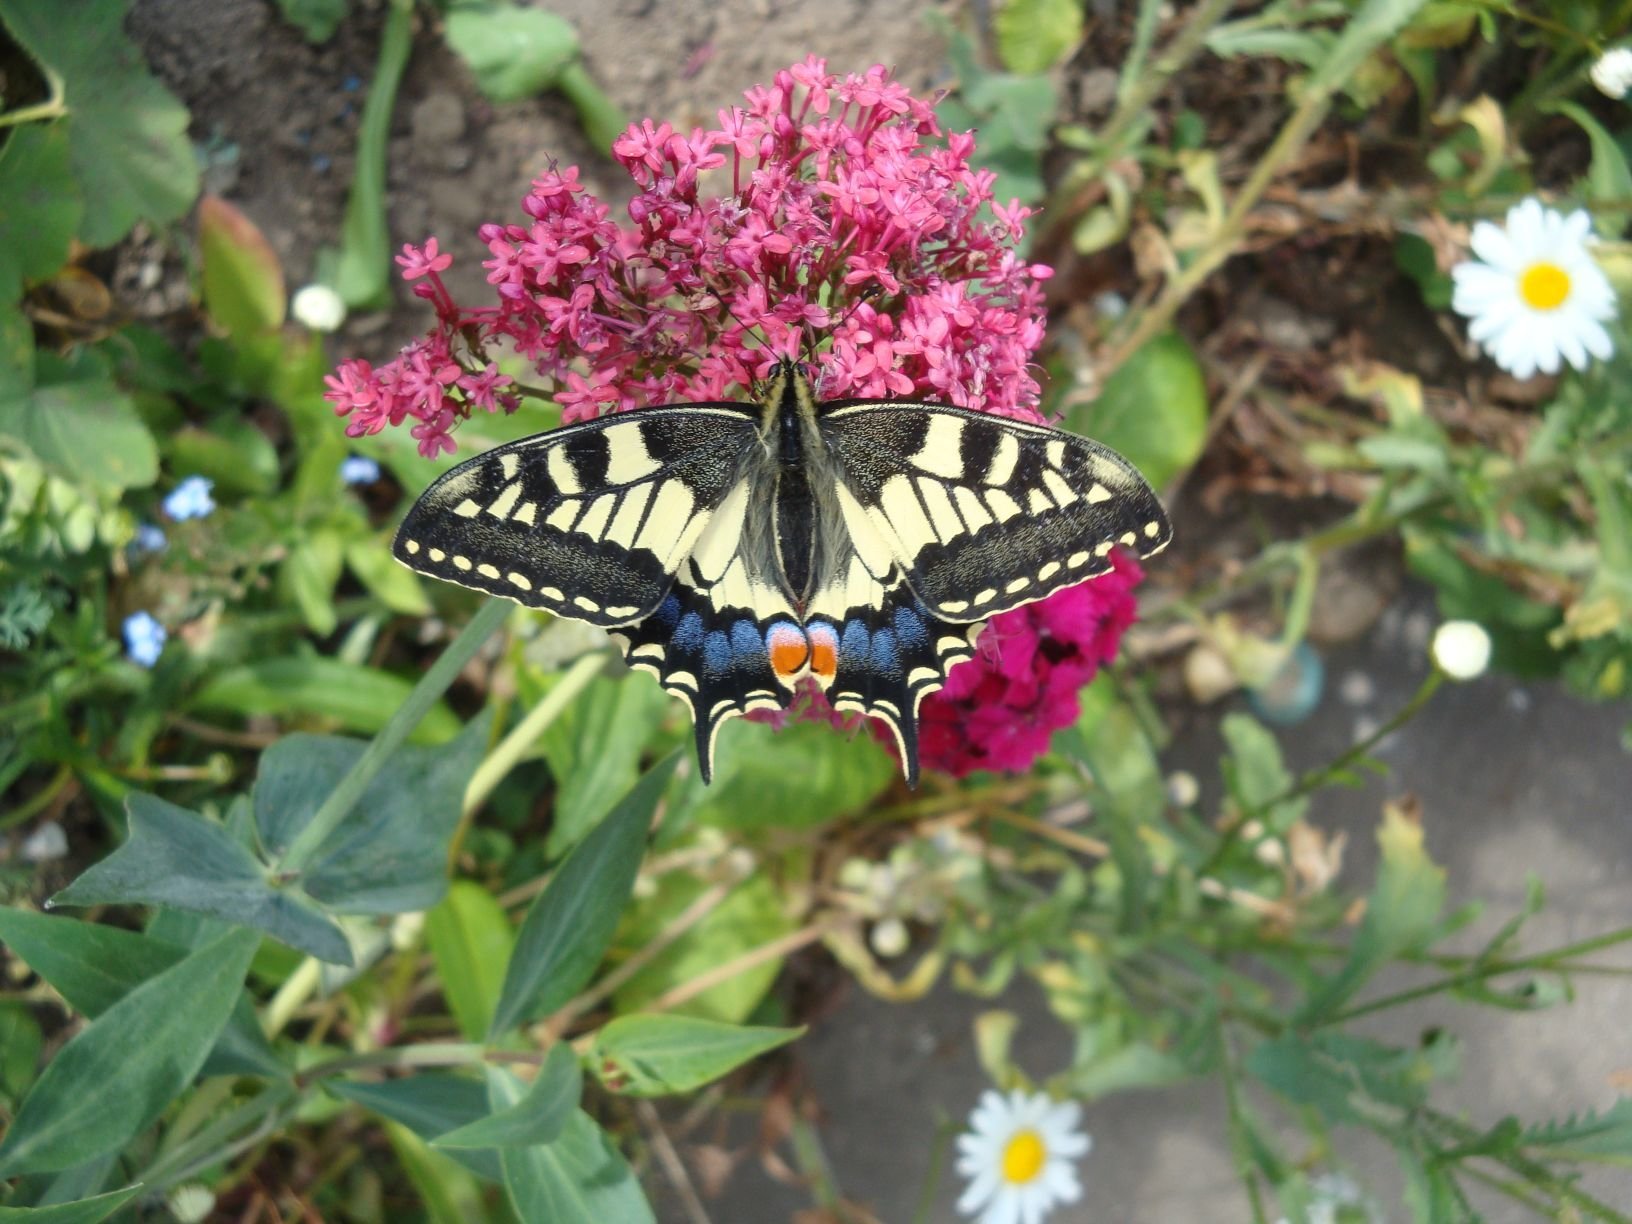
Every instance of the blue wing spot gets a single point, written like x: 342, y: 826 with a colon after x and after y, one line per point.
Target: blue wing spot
x: 716, y: 654
x: 688, y: 634
x: 668, y: 612
x: 855, y: 644
x: 745, y: 639
x: 910, y: 630
x: 884, y: 654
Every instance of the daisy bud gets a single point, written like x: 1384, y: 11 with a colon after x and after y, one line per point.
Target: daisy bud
x: 1461, y: 649
x: 319, y: 308
x: 1612, y: 74
x: 890, y: 937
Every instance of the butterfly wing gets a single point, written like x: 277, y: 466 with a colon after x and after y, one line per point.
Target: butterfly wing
x: 591, y: 521
x: 984, y: 514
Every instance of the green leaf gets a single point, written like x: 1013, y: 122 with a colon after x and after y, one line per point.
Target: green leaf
x: 538, y: 1117
x: 1138, y: 1065
x: 799, y: 777
x: 750, y: 917
x: 389, y: 856
x: 231, y: 451
x: 602, y: 119
x: 358, y: 698
x: 513, y: 52
x: 471, y: 940
x: 569, y: 926
x: 429, y: 1105
x: 1402, y: 913
x: 660, y: 1055
x: 1034, y: 35
x: 1590, y: 1136
x: 317, y: 20
x: 1256, y: 774
x: 176, y: 857
x: 1152, y: 410
x: 20, y: 1044
x: 1375, y: 23
x: 581, y: 1178
x: 243, y: 289
x: 117, y: 1075
x: 594, y: 750
x: 94, y: 966
x: 388, y: 580
x: 78, y: 423
x: 127, y: 134
x: 1609, y: 178
x: 40, y: 206
x: 450, y: 1194
x: 86, y: 1211
x: 308, y: 577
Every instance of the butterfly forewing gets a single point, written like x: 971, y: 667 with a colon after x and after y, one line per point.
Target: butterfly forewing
x: 985, y: 514
x: 590, y: 521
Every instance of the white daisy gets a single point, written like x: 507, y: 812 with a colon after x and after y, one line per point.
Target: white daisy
x: 1018, y: 1156
x: 1534, y: 294
x: 1612, y: 74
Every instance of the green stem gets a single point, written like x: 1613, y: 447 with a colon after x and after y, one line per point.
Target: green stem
x: 1545, y: 961
x: 1240, y: 1146
x: 237, y: 1129
x: 431, y: 686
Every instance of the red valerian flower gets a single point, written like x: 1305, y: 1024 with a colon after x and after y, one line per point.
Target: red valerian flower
x: 826, y: 204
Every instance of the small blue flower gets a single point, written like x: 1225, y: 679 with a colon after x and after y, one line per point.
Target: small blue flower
x: 144, y: 638
x: 149, y: 539
x: 359, y: 469
x: 190, y: 499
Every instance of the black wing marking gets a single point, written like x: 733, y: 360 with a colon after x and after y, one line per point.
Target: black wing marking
x: 984, y: 514
x: 590, y: 521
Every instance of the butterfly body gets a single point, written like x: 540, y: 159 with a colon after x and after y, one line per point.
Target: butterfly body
x: 738, y: 551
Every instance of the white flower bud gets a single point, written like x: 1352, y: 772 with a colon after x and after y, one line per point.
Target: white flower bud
x: 191, y: 1203
x: 1461, y: 649
x: 889, y: 937
x: 319, y: 308
x: 1612, y: 74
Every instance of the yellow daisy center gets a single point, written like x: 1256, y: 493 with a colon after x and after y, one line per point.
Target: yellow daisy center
x: 1544, y: 286
x: 1023, y: 1157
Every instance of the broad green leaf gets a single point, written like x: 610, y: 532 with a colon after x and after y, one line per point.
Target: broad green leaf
x: 1351, y: 1080
x: 804, y: 775
x: 1137, y: 1065
x: 594, y: 750
x: 471, y: 939
x: 1152, y: 410
x: 450, y: 1194
x: 601, y: 118
x: 94, y: 966
x: 243, y: 289
x: 118, y: 1074
x: 127, y: 134
x: 86, y: 1211
x: 1034, y: 35
x: 1256, y: 774
x: 79, y: 424
x: 358, y: 698
x: 429, y: 1105
x: 568, y: 928
x: 581, y: 1178
x: 1374, y: 24
x: 20, y: 1043
x: 538, y: 1117
x: 230, y: 450
x: 747, y: 919
x: 660, y: 1055
x: 317, y: 20
x: 513, y: 52
x: 1402, y: 913
x: 389, y: 855
x: 388, y: 580
x: 176, y: 857
x: 1609, y: 178
x: 308, y: 577
x: 40, y: 205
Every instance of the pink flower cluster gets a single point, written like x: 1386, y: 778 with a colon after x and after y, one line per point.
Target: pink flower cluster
x: 999, y: 709
x: 827, y: 206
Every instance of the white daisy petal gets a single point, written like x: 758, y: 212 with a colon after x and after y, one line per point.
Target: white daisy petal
x: 1017, y: 1156
x: 1005, y: 1209
x: 1491, y: 244
x: 1597, y: 340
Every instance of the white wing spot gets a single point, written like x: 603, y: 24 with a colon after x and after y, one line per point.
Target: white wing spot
x: 986, y: 596
x: 1129, y: 538
x: 670, y: 514
x: 467, y: 509
x: 487, y: 571
x: 510, y: 464
x: 1153, y: 529
x: 970, y: 506
x: 506, y: 501
x: 1037, y: 501
x: 1018, y: 585
x: 622, y: 612
x: 586, y: 603
x: 1057, y: 485
x: 562, y: 471
x: 898, y: 502
x: 952, y: 607
x: 553, y: 595
x: 1099, y: 493
x: 1003, y: 506
x: 412, y: 546
x: 525, y: 513
x: 627, y: 519
x: 461, y: 563
x: 1004, y: 458
x: 627, y: 459
x: 593, y: 524
x: 565, y: 515
x: 1104, y: 549
x: 1056, y: 454
x: 519, y: 580
x: 1048, y: 571
x: 1077, y: 560
x: 437, y: 554
x: 941, y: 514
x: 939, y: 454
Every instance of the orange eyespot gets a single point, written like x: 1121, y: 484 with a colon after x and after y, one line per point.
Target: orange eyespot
x: 788, y: 650
x: 824, y: 652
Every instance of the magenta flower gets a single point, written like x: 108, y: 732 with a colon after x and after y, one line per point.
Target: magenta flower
x: 828, y: 207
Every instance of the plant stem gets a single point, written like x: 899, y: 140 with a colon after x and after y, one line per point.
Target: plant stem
x: 431, y: 686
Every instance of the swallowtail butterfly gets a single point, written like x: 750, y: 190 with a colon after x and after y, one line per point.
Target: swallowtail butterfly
x: 735, y: 549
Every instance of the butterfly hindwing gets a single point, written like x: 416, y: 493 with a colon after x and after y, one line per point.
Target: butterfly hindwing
x: 985, y: 514
x: 590, y: 521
